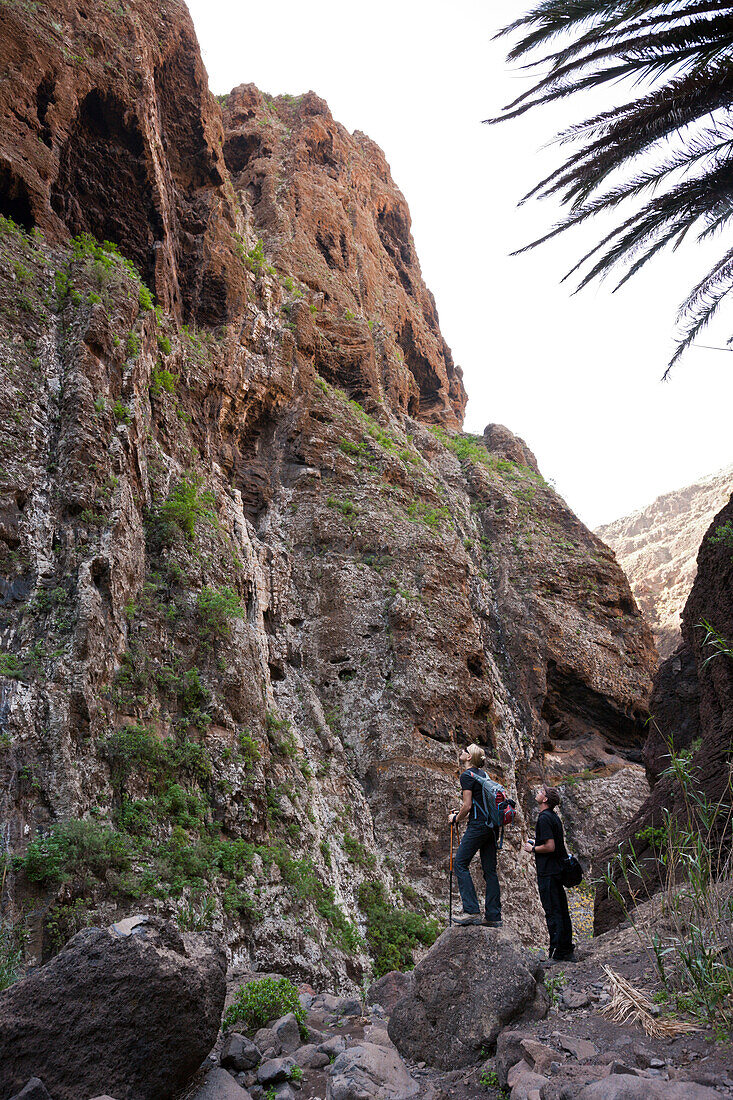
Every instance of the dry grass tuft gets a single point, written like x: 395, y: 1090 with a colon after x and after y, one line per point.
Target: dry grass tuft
x: 629, y: 1005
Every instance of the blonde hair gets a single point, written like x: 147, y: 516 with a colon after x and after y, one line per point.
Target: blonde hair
x: 477, y: 756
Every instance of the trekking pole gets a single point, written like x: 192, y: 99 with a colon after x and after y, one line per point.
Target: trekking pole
x: 450, y: 880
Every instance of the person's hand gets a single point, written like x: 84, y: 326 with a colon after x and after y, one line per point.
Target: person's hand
x: 528, y: 846
x: 452, y: 817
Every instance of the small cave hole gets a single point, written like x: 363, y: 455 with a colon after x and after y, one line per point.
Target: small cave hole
x: 475, y: 665
x: 15, y: 202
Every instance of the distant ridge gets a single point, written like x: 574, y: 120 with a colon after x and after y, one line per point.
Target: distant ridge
x: 657, y: 548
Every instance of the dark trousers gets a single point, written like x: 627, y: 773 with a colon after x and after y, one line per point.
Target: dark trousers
x: 478, y: 838
x: 555, y: 904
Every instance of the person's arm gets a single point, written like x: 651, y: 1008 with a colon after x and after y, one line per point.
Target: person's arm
x: 544, y: 842
x: 547, y: 847
x: 462, y: 814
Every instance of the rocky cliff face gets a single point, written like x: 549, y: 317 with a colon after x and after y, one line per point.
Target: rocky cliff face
x: 657, y: 549
x: 692, y: 708
x: 256, y: 588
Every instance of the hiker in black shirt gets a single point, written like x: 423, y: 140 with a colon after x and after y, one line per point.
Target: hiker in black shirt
x: 549, y: 851
x: 478, y: 837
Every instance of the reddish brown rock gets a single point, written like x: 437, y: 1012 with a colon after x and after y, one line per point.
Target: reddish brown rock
x: 256, y: 589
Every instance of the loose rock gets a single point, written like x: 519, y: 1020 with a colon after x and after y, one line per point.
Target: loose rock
x: 219, y: 1085
x: 579, y: 1048
x: 287, y: 1032
x: 571, y: 999
x: 369, y: 1071
x: 239, y: 1053
x: 274, y: 1071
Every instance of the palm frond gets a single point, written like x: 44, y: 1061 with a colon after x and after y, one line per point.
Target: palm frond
x: 682, y: 50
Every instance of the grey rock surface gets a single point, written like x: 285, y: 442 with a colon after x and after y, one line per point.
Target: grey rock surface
x: 274, y: 1071
x: 623, y: 1087
x: 287, y: 1032
x: 239, y: 1053
x: 470, y: 984
x: 370, y: 1072
x: 147, y: 1004
x: 220, y: 1085
x: 34, y: 1090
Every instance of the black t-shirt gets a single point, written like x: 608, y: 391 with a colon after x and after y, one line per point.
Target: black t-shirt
x: 470, y: 783
x: 549, y: 825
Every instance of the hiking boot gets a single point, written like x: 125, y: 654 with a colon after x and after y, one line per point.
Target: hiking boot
x: 572, y: 958
x: 493, y: 923
x: 467, y: 918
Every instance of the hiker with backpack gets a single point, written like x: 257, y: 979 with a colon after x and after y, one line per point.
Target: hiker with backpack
x: 484, y: 831
x: 553, y: 862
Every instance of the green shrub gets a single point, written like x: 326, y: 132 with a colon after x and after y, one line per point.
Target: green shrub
x: 73, y: 849
x: 132, y: 345
x: 13, y: 940
x: 121, y: 412
x: 216, y: 609
x: 163, y: 381
x: 248, y: 747
x: 258, y: 1002
x: 357, y: 853
x: 197, y: 914
x: 144, y: 298
x: 184, y: 506
x: 164, y: 343
x: 392, y: 934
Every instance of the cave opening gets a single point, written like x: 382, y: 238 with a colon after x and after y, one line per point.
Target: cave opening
x: 15, y: 202
x: 102, y: 185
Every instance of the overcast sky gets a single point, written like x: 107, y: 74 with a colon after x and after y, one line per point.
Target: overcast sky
x: 577, y: 377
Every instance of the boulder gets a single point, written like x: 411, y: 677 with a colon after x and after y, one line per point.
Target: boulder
x: 287, y: 1032
x: 389, y: 989
x: 470, y: 984
x: 332, y: 1046
x: 140, y: 1009
x: 267, y: 1042
x: 369, y: 1071
x: 219, y: 1085
x: 274, y: 1071
x: 238, y: 1053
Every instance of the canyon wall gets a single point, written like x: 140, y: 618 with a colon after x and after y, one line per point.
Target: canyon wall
x: 657, y: 549
x: 692, y: 714
x: 256, y: 585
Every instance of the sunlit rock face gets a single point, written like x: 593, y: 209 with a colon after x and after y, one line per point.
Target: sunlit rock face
x: 257, y: 587
x: 657, y: 548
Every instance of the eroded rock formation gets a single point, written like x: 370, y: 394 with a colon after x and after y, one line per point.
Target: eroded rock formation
x: 692, y: 709
x: 256, y: 586
x: 657, y: 549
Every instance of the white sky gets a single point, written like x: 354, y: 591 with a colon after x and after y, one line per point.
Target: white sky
x: 577, y: 377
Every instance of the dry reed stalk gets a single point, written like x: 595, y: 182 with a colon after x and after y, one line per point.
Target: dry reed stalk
x: 629, y: 1005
